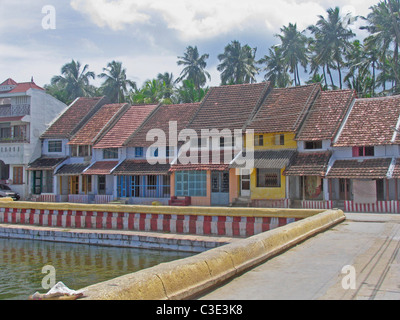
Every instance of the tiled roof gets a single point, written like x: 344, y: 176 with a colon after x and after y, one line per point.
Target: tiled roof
x: 20, y: 87
x: 396, y: 169
x: 77, y: 114
x: 140, y: 167
x: 128, y: 123
x: 360, y: 169
x: 270, y: 159
x: 181, y: 113
x: 309, y: 164
x: 72, y: 169
x: 45, y: 163
x: 204, y: 161
x: 228, y: 107
x: 325, y: 117
x: 371, y: 122
x: 101, y: 168
x: 88, y: 133
x: 284, y: 109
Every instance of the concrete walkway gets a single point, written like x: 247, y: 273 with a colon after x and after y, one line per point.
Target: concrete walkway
x: 369, y: 243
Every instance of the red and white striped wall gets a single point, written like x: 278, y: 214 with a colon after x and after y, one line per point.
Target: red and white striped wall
x: 377, y: 207
x: 313, y: 204
x: 179, y: 224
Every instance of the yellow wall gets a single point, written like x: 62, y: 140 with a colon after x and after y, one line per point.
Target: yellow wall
x: 267, y: 193
x: 269, y: 141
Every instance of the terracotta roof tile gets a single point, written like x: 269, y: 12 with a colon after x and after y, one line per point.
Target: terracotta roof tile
x: 371, y: 122
x: 326, y: 116
x: 72, y: 169
x: 284, y: 109
x: 396, y: 170
x: 360, y: 169
x: 97, y: 123
x: 101, y: 168
x: 181, y: 113
x: 228, y: 107
x: 128, y: 123
x: 19, y: 87
x: 77, y: 114
x: 309, y: 164
x: 141, y: 167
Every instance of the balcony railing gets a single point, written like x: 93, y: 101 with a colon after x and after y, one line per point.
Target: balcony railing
x: 14, y: 140
x: 15, y: 110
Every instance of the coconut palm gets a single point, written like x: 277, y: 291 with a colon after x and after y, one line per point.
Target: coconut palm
x: 333, y: 37
x: 194, y: 67
x: 275, y: 67
x: 116, y: 84
x: 294, y: 50
x: 384, y: 27
x: 74, y: 80
x: 238, y: 64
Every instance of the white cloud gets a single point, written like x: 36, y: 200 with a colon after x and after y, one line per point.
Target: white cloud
x: 194, y: 19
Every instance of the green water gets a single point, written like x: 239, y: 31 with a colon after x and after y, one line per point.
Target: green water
x: 77, y: 266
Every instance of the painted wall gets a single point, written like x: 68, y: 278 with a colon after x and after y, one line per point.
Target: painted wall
x: 269, y: 141
x: 267, y: 193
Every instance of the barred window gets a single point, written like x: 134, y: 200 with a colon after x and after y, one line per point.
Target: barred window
x: 268, y: 178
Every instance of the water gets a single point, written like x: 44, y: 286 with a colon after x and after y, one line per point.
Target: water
x: 76, y: 265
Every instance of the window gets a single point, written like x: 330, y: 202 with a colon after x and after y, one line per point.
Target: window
x: 259, y: 140
x: 18, y: 175
x: 111, y: 153
x: 101, y: 184
x: 55, y: 146
x: 81, y: 151
x: 169, y: 151
x: 310, y: 145
x: 20, y: 132
x: 138, y: 152
x: 363, y: 151
x: 268, y: 178
x: 280, y: 140
x: 191, y: 183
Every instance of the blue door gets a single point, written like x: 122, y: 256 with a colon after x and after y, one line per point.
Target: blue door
x: 220, y: 188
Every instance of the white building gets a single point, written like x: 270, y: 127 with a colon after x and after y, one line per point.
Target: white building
x: 26, y: 111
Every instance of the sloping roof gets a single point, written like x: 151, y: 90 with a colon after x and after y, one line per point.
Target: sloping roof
x: 128, y: 123
x: 19, y: 87
x: 72, y: 169
x: 360, y: 169
x: 228, y: 107
x: 77, y: 114
x: 101, y: 168
x: 141, y: 167
x: 270, y: 159
x: 284, y: 109
x: 181, y: 113
x: 45, y: 163
x: 396, y: 169
x: 371, y: 123
x: 326, y: 116
x: 215, y: 160
x: 309, y: 164
x: 97, y: 123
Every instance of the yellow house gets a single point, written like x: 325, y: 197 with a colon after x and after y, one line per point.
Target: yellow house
x: 272, y: 130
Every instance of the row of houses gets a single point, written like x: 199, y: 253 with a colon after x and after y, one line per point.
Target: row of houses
x: 251, y: 145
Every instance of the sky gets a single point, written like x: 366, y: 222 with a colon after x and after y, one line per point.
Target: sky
x: 38, y: 37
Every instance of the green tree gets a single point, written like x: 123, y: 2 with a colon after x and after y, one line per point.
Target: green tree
x: 275, y: 67
x: 294, y: 50
x: 194, y: 67
x: 238, y: 64
x: 116, y: 84
x: 188, y: 93
x: 332, y: 36
x: 384, y: 27
x: 74, y: 80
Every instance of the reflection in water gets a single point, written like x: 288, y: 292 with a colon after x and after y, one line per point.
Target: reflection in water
x: 76, y: 265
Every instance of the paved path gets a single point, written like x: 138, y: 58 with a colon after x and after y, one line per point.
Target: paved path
x: 313, y: 270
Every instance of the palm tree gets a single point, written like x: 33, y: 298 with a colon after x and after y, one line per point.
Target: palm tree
x: 276, y: 69
x: 333, y: 38
x: 384, y: 28
x: 294, y: 50
x: 115, y: 86
x: 74, y: 81
x: 167, y: 83
x: 238, y: 64
x: 188, y: 93
x: 194, y: 69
